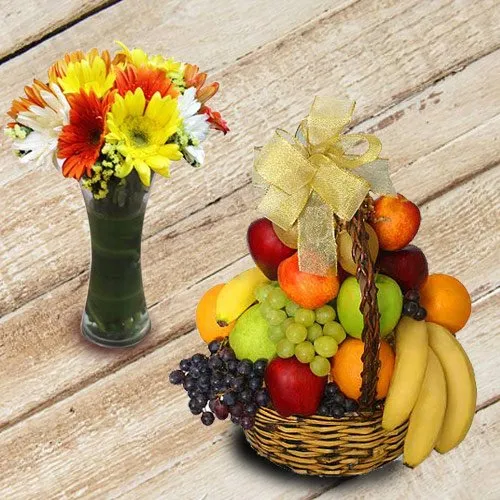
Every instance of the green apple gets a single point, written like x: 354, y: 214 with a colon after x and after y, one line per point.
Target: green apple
x: 389, y: 299
x: 249, y: 338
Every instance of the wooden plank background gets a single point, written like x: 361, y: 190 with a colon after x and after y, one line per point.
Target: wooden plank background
x: 78, y: 421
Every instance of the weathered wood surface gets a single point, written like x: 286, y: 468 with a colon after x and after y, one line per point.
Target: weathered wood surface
x: 78, y: 421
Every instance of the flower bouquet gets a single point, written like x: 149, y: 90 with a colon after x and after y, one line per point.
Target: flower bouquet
x: 337, y: 352
x: 111, y: 124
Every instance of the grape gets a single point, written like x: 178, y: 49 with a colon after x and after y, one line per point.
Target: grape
x: 221, y: 410
x: 314, y: 331
x: 350, y: 405
x: 410, y: 308
x: 337, y: 412
x: 286, y: 324
x: 237, y: 384
x: 305, y: 317
x: 320, y: 366
x: 245, y: 367
x: 330, y: 390
x: 325, y: 314
x: 285, y: 348
x: 214, y: 346
x: 323, y: 410
x: 291, y: 308
x: 189, y: 383
x: 275, y: 333
x: 251, y: 409
x: 275, y: 317
x: 266, y: 310
x: 215, y: 363
x: 235, y: 420
x: 413, y: 296
x: 194, y: 407
x: 277, y: 298
x: 184, y: 365
x: 420, y: 314
x: 325, y: 346
x: 195, y: 371
x: 246, y: 396
x: 260, y: 366
x: 237, y: 409
x: 335, y: 330
x: 226, y: 354
x: 262, y: 397
x: 296, y: 333
x: 304, y: 352
x: 232, y: 365
x: 247, y: 422
x: 339, y: 399
x: 255, y: 383
x: 262, y: 292
x: 204, y: 382
x: 198, y: 358
x: 229, y: 399
x: 176, y: 377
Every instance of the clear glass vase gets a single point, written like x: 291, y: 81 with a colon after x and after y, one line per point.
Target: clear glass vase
x: 115, y: 313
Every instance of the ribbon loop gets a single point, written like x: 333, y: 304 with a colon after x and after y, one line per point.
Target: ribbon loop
x: 315, y: 175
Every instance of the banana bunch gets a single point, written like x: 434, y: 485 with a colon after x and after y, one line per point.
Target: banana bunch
x: 237, y: 295
x: 433, y: 385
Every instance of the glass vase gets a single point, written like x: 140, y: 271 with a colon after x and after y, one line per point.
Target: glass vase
x: 115, y: 313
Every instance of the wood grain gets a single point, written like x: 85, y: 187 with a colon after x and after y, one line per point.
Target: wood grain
x: 43, y: 249
x: 45, y: 357
x: 25, y: 22
x: 134, y: 426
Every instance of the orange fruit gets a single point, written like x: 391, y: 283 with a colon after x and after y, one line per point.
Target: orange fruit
x: 347, y: 368
x: 446, y: 301
x: 307, y: 290
x: 205, y: 317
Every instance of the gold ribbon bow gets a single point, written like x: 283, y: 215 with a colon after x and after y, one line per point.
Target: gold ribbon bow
x: 313, y: 176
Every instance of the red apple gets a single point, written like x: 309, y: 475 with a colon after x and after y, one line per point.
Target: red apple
x: 396, y: 221
x: 293, y: 388
x: 407, y: 266
x: 266, y: 249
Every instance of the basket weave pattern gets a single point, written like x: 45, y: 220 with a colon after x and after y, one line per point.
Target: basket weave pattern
x: 356, y: 443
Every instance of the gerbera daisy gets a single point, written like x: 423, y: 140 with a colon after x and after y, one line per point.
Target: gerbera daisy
x: 193, y: 78
x: 150, y: 80
x: 81, y: 141
x: 59, y: 68
x: 44, y: 112
x: 89, y: 74
x: 141, y: 129
x: 138, y: 58
x: 33, y: 97
x: 195, y: 126
x: 215, y: 119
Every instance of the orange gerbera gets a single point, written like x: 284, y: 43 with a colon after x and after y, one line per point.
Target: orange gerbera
x: 215, y: 119
x: 81, y: 141
x: 192, y: 78
x: 150, y: 80
x: 33, y: 97
x: 58, y: 69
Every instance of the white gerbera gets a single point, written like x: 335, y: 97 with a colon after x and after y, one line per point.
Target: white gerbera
x: 46, y: 124
x: 195, y: 125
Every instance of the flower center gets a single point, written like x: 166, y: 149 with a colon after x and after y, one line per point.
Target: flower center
x: 139, y: 138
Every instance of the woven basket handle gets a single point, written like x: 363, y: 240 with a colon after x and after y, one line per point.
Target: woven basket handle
x: 368, y: 307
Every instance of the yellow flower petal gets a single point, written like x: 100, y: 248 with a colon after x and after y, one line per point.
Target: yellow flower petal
x: 144, y: 172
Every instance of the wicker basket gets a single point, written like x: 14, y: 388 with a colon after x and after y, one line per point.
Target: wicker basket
x: 352, y: 445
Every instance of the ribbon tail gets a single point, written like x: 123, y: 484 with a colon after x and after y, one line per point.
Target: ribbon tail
x: 281, y: 208
x: 317, y: 248
x: 377, y: 174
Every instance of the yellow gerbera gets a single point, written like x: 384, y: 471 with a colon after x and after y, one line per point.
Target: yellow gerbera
x: 139, y: 58
x: 140, y: 130
x: 87, y: 74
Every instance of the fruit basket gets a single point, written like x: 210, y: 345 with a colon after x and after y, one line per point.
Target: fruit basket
x: 337, y: 353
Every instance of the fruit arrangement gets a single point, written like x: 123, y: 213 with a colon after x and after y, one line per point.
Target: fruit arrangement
x: 361, y: 357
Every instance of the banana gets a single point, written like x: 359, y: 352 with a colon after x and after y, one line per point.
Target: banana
x: 409, y: 371
x: 460, y: 385
x: 427, y: 416
x: 237, y: 295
